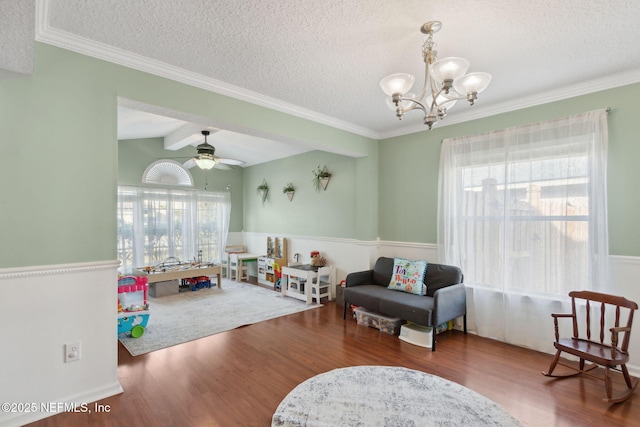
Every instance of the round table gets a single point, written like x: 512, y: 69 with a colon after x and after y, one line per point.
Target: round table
x: 386, y: 396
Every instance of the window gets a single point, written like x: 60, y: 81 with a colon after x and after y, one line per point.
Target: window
x: 155, y: 224
x: 167, y: 172
x: 524, y: 209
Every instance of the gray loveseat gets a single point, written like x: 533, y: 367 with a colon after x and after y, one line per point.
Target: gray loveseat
x: 445, y: 300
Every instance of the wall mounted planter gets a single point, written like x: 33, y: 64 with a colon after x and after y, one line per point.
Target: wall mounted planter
x: 263, y: 191
x: 289, y: 190
x: 321, y: 178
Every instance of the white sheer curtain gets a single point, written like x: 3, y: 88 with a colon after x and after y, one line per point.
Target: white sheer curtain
x: 156, y: 223
x: 523, y: 212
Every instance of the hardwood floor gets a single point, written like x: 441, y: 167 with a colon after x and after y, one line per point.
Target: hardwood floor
x: 238, y: 378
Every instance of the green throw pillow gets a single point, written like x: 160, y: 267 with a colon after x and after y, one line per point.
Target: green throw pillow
x: 408, y: 276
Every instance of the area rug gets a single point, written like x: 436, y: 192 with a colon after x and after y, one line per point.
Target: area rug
x: 187, y: 316
x: 386, y: 396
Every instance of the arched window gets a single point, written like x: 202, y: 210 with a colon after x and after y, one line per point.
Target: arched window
x: 167, y: 172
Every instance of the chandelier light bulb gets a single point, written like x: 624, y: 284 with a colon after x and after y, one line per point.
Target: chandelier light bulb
x: 397, y: 83
x: 449, y: 69
x: 472, y: 82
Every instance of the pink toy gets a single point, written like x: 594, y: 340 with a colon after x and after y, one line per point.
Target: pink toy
x: 133, y: 309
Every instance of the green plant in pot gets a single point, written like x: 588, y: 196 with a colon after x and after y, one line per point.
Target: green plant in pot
x: 289, y: 190
x: 321, y: 178
x: 263, y: 190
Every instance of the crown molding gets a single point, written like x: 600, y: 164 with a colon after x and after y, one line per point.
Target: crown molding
x: 55, y: 37
x: 59, y: 38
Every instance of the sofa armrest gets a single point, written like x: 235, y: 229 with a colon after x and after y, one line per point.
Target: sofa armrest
x: 449, y: 303
x: 359, y: 278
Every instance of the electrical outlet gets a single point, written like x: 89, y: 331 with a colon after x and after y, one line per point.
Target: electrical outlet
x: 72, y: 352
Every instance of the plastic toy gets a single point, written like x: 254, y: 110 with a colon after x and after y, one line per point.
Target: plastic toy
x: 133, y: 309
x: 195, y: 283
x: 277, y: 271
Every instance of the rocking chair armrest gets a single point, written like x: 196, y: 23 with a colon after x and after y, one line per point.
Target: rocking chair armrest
x: 614, y: 334
x: 620, y: 329
x: 555, y: 315
x: 555, y: 322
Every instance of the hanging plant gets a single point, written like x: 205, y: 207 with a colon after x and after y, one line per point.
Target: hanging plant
x: 289, y: 190
x: 263, y: 190
x: 321, y: 178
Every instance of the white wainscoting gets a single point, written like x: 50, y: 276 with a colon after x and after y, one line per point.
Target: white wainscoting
x: 41, y: 309
x: 349, y: 255
x: 44, y: 307
x: 346, y: 255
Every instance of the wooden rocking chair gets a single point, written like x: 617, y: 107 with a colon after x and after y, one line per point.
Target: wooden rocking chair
x: 597, y: 350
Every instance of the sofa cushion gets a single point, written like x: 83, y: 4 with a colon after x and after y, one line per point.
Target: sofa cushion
x: 413, y: 308
x: 408, y: 276
x: 366, y: 296
x: 382, y: 271
x: 439, y: 276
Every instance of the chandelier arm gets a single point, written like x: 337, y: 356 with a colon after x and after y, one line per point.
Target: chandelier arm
x: 434, y: 97
x: 416, y: 104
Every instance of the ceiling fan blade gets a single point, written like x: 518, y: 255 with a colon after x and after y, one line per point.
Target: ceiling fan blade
x: 232, y: 162
x: 189, y: 163
x: 222, y: 166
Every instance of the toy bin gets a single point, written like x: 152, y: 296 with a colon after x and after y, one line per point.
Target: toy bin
x: 386, y: 324
x: 133, y: 309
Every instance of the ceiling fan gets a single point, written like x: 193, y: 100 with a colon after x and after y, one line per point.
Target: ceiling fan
x: 205, y: 158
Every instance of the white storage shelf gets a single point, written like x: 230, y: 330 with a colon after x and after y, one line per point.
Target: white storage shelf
x: 296, y: 283
x: 265, y: 270
x: 293, y: 283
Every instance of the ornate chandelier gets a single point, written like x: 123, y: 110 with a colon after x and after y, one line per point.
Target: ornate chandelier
x: 445, y: 82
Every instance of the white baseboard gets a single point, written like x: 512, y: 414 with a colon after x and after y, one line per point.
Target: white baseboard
x: 81, y: 402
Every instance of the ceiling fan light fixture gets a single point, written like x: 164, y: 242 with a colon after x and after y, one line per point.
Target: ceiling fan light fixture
x: 205, y: 162
x: 205, y: 159
x: 205, y: 148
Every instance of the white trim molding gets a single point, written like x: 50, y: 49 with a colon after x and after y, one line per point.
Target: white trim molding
x: 48, y: 270
x: 55, y: 37
x: 44, y: 33
x: 627, y: 260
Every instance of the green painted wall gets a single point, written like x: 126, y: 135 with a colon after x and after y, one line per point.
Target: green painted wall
x: 59, y: 151
x: 59, y: 163
x: 330, y: 213
x: 136, y: 154
x: 409, y: 168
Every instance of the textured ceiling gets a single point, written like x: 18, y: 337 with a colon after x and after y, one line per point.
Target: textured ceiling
x: 16, y: 38
x: 323, y: 60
